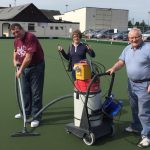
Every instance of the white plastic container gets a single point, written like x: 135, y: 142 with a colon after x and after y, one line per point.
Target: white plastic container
x: 94, y: 103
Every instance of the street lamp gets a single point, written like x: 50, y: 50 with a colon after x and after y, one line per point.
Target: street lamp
x: 66, y: 7
x: 148, y: 18
x: 132, y: 21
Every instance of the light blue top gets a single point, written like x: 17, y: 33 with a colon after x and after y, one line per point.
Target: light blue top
x: 137, y: 61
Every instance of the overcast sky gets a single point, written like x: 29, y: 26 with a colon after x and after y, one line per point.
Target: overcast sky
x: 138, y: 9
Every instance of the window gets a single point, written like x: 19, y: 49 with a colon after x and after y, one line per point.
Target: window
x: 31, y: 27
x: 61, y: 28
x: 51, y: 28
x: 56, y: 28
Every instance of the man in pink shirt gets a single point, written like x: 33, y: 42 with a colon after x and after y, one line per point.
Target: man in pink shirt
x: 28, y: 53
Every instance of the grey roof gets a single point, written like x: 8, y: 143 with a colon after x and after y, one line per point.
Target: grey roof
x: 11, y: 12
x: 50, y: 13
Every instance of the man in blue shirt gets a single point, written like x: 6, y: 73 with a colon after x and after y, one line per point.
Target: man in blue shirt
x: 136, y: 57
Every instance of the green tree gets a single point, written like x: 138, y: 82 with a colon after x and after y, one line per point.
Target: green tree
x: 143, y: 26
x: 130, y: 25
x: 137, y: 24
x: 143, y: 23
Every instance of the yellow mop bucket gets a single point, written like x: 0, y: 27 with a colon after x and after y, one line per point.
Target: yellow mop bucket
x: 83, y: 70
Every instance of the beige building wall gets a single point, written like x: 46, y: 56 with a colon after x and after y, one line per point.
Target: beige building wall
x: 120, y: 19
x: 103, y: 18
x: 78, y: 15
x: 97, y: 18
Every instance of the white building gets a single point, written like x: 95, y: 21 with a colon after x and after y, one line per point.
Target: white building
x: 34, y: 20
x: 97, y: 18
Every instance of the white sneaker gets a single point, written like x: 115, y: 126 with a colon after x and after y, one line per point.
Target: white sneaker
x: 145, y: 142
x: 18, y: 116
x: 131, y: 130
x: 35, y: 123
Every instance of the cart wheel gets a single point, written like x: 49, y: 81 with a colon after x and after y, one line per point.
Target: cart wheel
x: 89, y: 139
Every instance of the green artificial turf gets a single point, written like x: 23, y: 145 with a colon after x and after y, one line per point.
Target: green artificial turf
x: 53, y: 135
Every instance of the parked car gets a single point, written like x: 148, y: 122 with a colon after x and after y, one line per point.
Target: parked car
x: 87, y: 32
x: 117, y: 36
x: 105, y: 33
x: 120, y: 35
x: 148, y: 38
x: 90, y: 34
x: 146, y: 35
x: 96, y: 32
x: 125, y: 37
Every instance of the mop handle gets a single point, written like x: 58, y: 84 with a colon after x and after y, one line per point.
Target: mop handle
x: 21, y: 98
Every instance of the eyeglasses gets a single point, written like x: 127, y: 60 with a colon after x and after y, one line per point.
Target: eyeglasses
x: 136, y: 37
x: 15, y: 32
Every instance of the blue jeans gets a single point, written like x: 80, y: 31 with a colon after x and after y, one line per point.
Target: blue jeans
x: 140, y: 106
x: 32, y: 81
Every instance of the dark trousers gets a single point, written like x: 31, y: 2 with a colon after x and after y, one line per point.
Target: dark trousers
x: 73, y: 75
x: 32, y: 81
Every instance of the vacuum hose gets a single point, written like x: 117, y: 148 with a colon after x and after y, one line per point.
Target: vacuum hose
x: 49, y: 104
